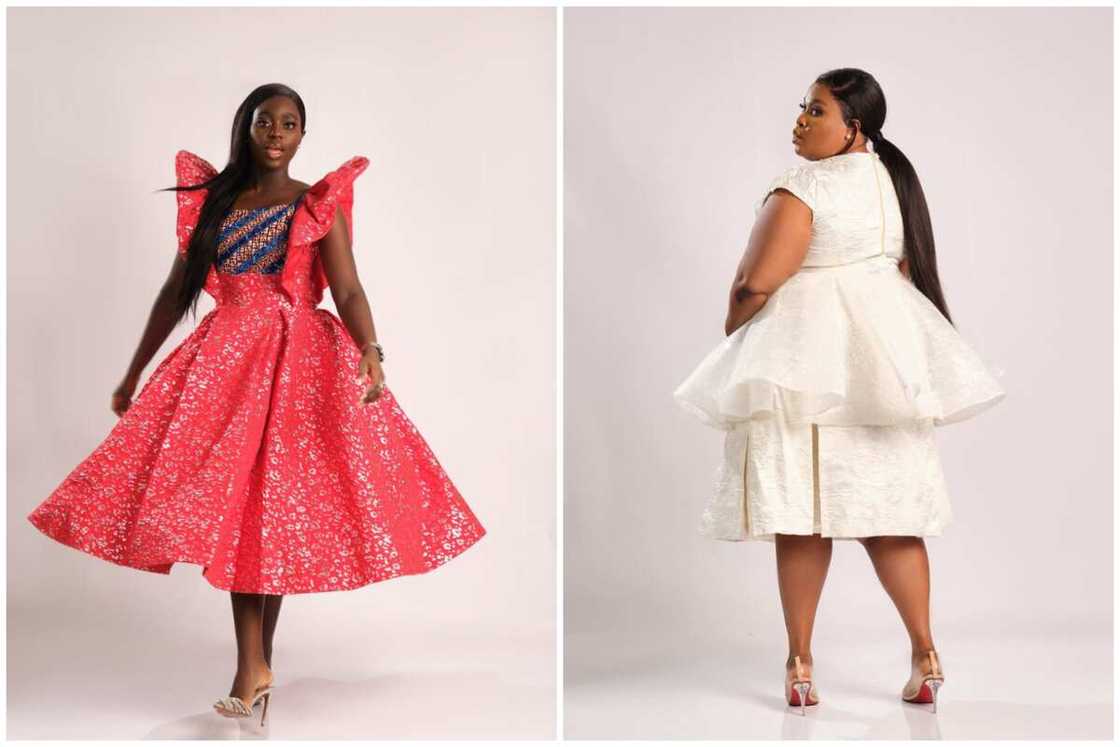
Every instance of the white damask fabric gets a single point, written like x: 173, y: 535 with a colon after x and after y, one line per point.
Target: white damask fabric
x: 849, y: 349
x: 870, y: 480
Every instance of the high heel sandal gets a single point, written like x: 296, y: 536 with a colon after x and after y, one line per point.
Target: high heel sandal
x: 232, y: 706
x: 800, y: 688
x: 922, y: 687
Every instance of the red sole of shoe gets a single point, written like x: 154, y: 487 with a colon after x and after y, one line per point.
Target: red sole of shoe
x: 925, y: 695
x: 795, y: 699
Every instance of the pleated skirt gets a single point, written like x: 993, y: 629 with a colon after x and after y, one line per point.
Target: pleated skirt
x: 844, y: 482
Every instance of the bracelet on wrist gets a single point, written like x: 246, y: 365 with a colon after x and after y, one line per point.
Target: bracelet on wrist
x: 377, y: 345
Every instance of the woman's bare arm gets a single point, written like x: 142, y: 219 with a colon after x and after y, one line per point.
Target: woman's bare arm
x: 350, y: 300
x: 777, y: 246
x: 161, y: 320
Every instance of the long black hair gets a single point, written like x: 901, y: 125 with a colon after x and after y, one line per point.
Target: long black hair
x: 860, y: 97
x: 238, y: 174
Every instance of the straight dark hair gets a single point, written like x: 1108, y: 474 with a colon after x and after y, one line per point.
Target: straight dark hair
x: 239, y: 174
x: 860, y: 97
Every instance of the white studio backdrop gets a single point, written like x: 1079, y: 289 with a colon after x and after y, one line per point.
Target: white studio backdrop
x: 454, y: 239
x: 676, y: 119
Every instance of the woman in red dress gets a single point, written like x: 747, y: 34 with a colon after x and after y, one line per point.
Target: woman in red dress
x: 265, y: 447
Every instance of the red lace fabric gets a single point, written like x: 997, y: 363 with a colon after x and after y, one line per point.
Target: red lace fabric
x: 247, y: 452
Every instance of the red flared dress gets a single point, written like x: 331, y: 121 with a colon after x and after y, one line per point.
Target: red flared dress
x: 247, y: 451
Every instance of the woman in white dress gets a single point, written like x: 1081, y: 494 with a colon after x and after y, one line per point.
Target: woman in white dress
x: 840, y: 360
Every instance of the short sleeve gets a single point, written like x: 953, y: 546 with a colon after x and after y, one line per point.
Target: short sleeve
x: 800, y: 180
x: 190, y: 169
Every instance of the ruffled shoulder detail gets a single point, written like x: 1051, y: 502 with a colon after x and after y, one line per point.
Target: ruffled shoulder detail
x: 190, y: 169
x: 336, y: 189
x: 801, y: 180
x: 320, y: 202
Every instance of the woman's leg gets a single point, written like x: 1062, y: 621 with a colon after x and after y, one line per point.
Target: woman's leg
x: 252, y: 669
x: 802, y: 566
x: 902, y: 565
x: 271, y: 614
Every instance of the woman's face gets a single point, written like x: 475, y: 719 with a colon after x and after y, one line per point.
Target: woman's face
x: 820, y: 131
x: 275, y: 132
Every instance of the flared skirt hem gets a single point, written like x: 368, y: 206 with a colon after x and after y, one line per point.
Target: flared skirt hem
x: 204, y: 564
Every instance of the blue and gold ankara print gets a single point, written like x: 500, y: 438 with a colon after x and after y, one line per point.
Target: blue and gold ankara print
x: 255, y: 239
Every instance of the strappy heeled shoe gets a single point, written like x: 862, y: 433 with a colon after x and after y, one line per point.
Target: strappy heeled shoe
x: 923, y: 686
x: 232, y: 706
x: 800, y: 688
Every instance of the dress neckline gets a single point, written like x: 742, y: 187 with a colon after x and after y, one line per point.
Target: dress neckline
x: 851, y: 153
x: 268, y: 207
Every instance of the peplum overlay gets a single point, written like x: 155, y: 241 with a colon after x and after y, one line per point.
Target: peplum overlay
x: 851, y: 345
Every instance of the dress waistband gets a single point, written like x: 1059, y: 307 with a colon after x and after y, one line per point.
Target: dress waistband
x: 256, y: 289
x: 875, y: 260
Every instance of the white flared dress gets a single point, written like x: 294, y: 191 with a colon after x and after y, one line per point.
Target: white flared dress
x: 830, y: 394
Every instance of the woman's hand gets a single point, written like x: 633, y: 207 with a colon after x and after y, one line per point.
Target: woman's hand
x: 369, y: 369
x: 122, y: 396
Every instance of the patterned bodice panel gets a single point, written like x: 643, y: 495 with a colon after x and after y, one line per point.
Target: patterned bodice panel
x: 255, y: 239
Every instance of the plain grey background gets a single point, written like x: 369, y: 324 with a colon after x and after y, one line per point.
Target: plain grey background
x: 455, y: 243
x: 675, y: 121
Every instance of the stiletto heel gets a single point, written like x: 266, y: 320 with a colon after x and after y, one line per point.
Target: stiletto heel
x: 232, y: 706
x: 800, y: 688
x: 803, y: 694
x: 934, y: 686
x: 922, y: 687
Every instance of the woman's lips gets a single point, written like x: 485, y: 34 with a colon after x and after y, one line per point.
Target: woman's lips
x: 274, y: 152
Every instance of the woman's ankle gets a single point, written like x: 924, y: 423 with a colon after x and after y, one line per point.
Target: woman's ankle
x: 806, y: 659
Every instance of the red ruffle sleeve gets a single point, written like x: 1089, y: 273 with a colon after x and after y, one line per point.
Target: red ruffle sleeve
x: 333, y: 191
x: 190, y: 169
